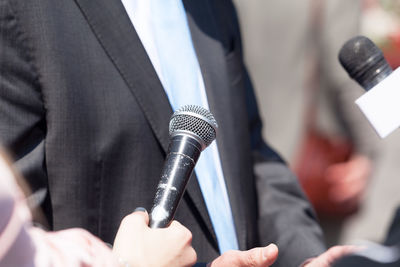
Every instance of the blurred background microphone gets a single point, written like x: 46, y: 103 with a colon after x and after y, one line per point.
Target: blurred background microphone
x: 192, y: 129
x: 365, y: 63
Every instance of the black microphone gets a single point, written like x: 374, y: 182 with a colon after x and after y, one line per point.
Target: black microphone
x: 191, y: 129
x: 364, y: 62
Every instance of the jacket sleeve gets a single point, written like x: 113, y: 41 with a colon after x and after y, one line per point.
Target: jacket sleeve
x: 22, y: 112
x: 285, y: 216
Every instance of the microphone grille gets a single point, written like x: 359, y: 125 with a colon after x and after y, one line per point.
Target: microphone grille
x: 364, y: 61
x: 196, y: 121
x: 359, y: 54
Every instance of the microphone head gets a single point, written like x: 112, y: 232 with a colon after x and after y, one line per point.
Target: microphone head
x: 195, y: 121
x: 364, y: 61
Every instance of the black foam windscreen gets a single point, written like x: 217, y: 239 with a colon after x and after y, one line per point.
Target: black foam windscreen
x: 364, y: 61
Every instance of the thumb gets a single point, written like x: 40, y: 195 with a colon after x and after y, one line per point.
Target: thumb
x: 256, y: 257
x: 270, y: 253
x: 262, y: 257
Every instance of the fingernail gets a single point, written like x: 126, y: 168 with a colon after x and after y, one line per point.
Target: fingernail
x: 140, y: 209
x: 269, y: 250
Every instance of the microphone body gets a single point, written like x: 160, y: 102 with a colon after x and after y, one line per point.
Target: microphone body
x: 365, y: 63
x: 183, y: 153
x: 192, y: 129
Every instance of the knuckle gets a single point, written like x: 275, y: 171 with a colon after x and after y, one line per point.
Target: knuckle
x: 176, y: 225
x: 251, y: 260
x: 254, y: 258
x: 183, y: 232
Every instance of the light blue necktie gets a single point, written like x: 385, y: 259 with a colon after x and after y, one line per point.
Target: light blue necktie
x: 182, y: 82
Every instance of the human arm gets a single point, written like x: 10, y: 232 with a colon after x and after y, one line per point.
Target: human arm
x: 347, y: 181
x: 22, y: 244
x: 285, y: 217
x: 135, y: 245
x: 340, y: 22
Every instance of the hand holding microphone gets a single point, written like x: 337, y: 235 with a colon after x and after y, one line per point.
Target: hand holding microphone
x: 138, y: 245
x: 365, y: 63
x: 191, y: 129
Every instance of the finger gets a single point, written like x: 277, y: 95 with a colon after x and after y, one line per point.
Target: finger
x: 335, y: 172
x: 337, y: 252
x: 353, y: 175
x: 359, y: 167
x: 271, y: 253
x: 140, y: 215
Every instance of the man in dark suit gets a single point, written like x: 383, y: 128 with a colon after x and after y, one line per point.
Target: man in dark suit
x: 86, y: 116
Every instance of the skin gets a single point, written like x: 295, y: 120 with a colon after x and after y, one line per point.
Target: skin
x: 256, y: 257
x: 139, y: 245
x: 348, y: 181
x: 266, y: 256
x: 327, y: 258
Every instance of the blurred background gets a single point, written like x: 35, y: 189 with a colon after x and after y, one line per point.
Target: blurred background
x: 307, y: 104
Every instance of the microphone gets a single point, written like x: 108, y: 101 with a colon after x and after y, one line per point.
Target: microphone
x: 365, y: 63
x: 191, y: 129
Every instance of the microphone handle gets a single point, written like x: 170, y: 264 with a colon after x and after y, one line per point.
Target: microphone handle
x: 183, y: 153
x: 375, y: 75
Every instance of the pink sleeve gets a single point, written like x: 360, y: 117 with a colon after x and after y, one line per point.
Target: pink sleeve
x: 74, y: 247
x: 24, y: 245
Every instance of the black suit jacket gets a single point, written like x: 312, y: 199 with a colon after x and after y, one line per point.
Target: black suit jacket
x: 84, y: 113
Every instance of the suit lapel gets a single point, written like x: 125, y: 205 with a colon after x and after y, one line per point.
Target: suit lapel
x: 211, y: 55
x: 113, y: 28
